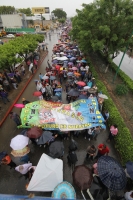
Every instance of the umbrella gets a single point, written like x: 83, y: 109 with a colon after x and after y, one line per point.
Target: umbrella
x: 58, y: 90
x: 77, y: 74
x: 73, y: 93
x: 73, y: 58
x: 83, y: 61
x: 21, y: 152
x: 69, y: 56
x: 19, y: 105
x: 81, y: 83
x: 70, y: 63
x: 129, y: 167
x: 78, y: 61
x: 54, y: 98
x: 2, y: 154
x: 37, y: 94
x: 111, y: 173
x: 55, y: 61
x: 74, y: 68
x: 34, y: 132
x: 82, y: 178
x: 70, y: 74
x: 86, y: 87
x: 62, y: 58
x: 82, y: 97
x: 45, y: 137
x: 45, y: 77
x: 19, y: 142
x: 56, y: 149
x: 52, y: 77
x: 103, y: 96
x: 92, y: 90
x: 62, y: 53
x: 64, y: 190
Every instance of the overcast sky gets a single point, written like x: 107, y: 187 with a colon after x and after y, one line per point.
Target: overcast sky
x: 69, y: 6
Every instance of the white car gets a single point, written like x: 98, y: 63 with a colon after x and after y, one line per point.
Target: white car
x: 10, y: 36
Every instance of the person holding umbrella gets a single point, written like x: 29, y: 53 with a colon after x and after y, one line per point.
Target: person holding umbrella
x: 15, y: 117
x: 113, y: 132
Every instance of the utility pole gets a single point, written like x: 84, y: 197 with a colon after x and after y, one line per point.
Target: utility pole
x: 122, y: 58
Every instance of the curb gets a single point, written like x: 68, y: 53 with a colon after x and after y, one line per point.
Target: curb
x: 19, y: 95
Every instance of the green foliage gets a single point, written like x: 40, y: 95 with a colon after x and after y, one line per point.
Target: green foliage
x: 104, y: 25
x: 121, y: 89
x: 62, y: 20
x: 7, y: 9
x: 125, y: 78
x: 26, y: 11
x: 20, y: 45
x: 59, y: 13
x: 123, y: 141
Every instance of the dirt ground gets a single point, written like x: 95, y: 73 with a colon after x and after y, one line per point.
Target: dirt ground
x: 123, y: 103
x: 12, y: 95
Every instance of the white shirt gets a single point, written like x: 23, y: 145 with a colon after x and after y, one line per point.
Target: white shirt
x: 43, y: 89
x: 127, y: 195
x: 86, y: 67
x: 25, y: 168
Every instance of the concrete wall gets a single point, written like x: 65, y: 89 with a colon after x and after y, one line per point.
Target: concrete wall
x: 12, y: 21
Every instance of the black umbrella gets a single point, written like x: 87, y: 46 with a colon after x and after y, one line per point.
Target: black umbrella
x: 111, y: 173
x: 56, y: 149
x: 54, y: 98
x: 82, y: 97
x: 73, y: 93
x: 45, y: 137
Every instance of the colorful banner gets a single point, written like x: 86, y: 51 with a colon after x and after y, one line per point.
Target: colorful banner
x: 79, y: 115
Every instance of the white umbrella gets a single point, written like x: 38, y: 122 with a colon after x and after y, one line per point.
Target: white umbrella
x: 86, y: 87
x: 19, y: 142
x: 45, y: 77
x: 103, y: 96
x: 62, y: 58
x: 55, y: 58
x: 62, y: 53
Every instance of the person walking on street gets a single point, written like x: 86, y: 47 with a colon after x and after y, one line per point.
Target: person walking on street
x: 15, y: 117
x: 8, y: 161
x: 4, y: 96
x: 24, y: 169
x: 113, y: 132
x: 91, y: 152
x: 102, y: 150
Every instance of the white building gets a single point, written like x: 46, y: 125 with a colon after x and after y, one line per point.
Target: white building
x: 13, y: 20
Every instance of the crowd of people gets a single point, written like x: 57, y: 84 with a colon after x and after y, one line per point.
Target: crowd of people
x: 68, y: 73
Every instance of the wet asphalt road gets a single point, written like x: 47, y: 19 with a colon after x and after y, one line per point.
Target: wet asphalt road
x: 11, y: 182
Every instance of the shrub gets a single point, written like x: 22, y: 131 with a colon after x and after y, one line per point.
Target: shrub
x: 121, y: 89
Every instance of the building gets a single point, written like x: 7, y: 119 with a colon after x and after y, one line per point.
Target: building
x: 13, y: 20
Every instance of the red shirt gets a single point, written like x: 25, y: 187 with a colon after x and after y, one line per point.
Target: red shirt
x: 103, y: 151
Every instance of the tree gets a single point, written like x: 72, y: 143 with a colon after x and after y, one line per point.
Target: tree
x: 7, y: 9
x: 26, y: 11
x: 104, y: 26
x: 62, y: 20
x: 21, y: 46
x: 59, y: 13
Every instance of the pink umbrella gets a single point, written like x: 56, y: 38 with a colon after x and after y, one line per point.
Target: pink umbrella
x: 74, y: 68
x: 81, y: 83
x: 19, y: 105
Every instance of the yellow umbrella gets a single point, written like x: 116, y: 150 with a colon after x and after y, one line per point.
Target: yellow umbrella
x: 21, y: 152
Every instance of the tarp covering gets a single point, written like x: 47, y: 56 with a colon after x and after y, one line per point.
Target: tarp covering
x: 48, y: 174
x: 79, y: 115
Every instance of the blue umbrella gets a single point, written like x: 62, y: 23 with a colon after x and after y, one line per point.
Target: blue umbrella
x: 73, y: 58
x: 55, y: 61
x: 70, y: 74
x: 64, y: 190
x: 111, y: 173
x: 69, y: 56
x: 58, y: 90
x: 83, y: 61
x: 52, y: 77
x: 129, y: 166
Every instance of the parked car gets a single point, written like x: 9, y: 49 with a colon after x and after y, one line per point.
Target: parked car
x: 19, y: 34
x: 10, y: 36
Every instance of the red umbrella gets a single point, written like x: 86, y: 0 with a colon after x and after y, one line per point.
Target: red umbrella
x: 19, y: 105
x: 74, y: 68
x: 34, y: 132
x: 57, y: 67
x: 37, y: 94
x: 81, y: 83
